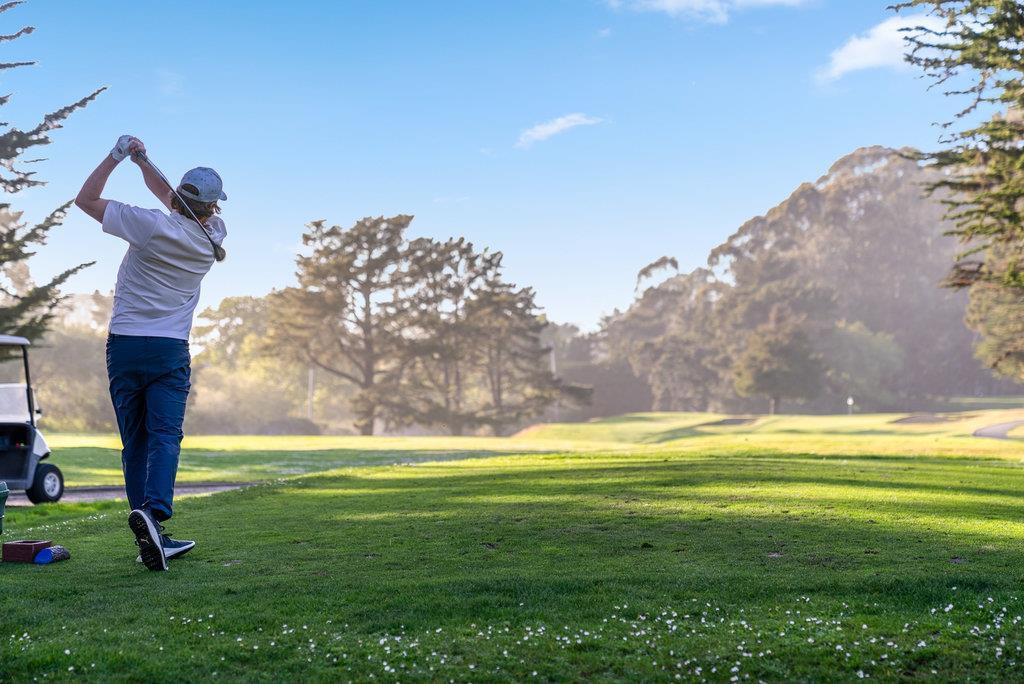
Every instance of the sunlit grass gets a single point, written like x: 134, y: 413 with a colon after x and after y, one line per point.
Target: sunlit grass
x: 95, y: 459
x: 826, y: 548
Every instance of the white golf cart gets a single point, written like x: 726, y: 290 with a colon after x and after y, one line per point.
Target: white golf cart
x: 22, y: 447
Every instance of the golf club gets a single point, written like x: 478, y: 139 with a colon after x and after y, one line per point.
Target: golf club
x: 218, y: 252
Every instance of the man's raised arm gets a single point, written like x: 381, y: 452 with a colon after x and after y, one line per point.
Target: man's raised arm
x: 153, y: 180
x: 89, y: 199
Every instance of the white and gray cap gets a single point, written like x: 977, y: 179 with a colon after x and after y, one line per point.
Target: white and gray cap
x: 206, y: 181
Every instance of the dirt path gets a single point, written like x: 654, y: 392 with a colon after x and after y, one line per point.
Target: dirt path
x: 1000, y: 431
x: 89, y: 494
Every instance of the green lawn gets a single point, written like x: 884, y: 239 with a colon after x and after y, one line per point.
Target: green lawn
x: 974, y: 403
x: 637, y: 548
x: 96, y: 459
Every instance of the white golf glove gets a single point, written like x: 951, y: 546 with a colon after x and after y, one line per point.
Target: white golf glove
x: 120, y: 150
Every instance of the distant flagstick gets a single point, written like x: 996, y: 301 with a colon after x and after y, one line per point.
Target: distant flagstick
x: 218, y: 252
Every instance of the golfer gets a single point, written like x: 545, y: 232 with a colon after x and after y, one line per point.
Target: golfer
x: 148, y: 361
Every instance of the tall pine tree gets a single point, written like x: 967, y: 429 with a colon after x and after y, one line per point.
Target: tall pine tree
x: 515, y: 365
x: 26, y: 307
x: 435, y: 385
x: 343, y: 318
x: 974, y: 51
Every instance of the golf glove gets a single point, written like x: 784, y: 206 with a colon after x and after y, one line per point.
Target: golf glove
x: 120, y: 150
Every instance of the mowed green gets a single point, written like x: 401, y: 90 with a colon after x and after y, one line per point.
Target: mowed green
x: 655, y: 546
x: 92, y: 460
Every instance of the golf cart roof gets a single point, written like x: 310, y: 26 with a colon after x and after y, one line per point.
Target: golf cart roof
x: 12, y: 341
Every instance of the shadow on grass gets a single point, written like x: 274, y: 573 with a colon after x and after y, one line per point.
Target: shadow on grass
x: 702, y: 431
x: 476, y: 558
x: 700, y: 484
x: 686, y: 432
x: 95, y: 465
x: 626, y: 419
x: 427, y: 547
x: 588, y: 542
x: 867, y: 432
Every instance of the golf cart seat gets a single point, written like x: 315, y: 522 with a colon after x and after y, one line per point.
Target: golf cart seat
x: 22, y: 447
x: 15, y: 439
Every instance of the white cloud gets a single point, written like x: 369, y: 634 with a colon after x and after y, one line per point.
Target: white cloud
x: 604, y: 33
x: 883, y: 46
x: 716, y: 11
x: 543, y: 131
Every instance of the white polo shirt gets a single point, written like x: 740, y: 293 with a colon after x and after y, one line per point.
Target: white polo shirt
x: 158, y: 283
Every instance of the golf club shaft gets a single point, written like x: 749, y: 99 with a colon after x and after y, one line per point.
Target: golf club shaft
x: 150, y: 164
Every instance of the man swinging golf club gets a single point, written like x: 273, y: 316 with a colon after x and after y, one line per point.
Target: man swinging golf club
x: 148, y: 361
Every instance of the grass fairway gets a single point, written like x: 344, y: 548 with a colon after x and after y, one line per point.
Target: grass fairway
x: 90, y: 460
x: 642, y: 547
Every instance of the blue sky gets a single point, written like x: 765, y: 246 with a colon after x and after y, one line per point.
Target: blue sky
x: 583, y: 138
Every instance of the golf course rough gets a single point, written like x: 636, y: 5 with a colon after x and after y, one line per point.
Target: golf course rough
x: 648, y: 547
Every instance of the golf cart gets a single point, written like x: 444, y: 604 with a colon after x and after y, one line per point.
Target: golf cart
x: 22, y: 447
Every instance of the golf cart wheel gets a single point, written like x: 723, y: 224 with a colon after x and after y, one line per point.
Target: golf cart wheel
x: 48, y: 485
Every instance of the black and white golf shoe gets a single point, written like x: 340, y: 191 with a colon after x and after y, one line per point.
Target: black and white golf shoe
x: 147, y: 536
x: 173, y: 548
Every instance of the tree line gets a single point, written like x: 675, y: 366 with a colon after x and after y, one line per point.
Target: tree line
x: 380, y: 332
x: 834, y: 293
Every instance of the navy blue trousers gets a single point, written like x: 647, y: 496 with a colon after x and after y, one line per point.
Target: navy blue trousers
x: 149, y: 385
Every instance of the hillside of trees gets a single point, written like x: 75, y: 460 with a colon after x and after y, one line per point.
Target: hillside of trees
x: 835, y: 293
